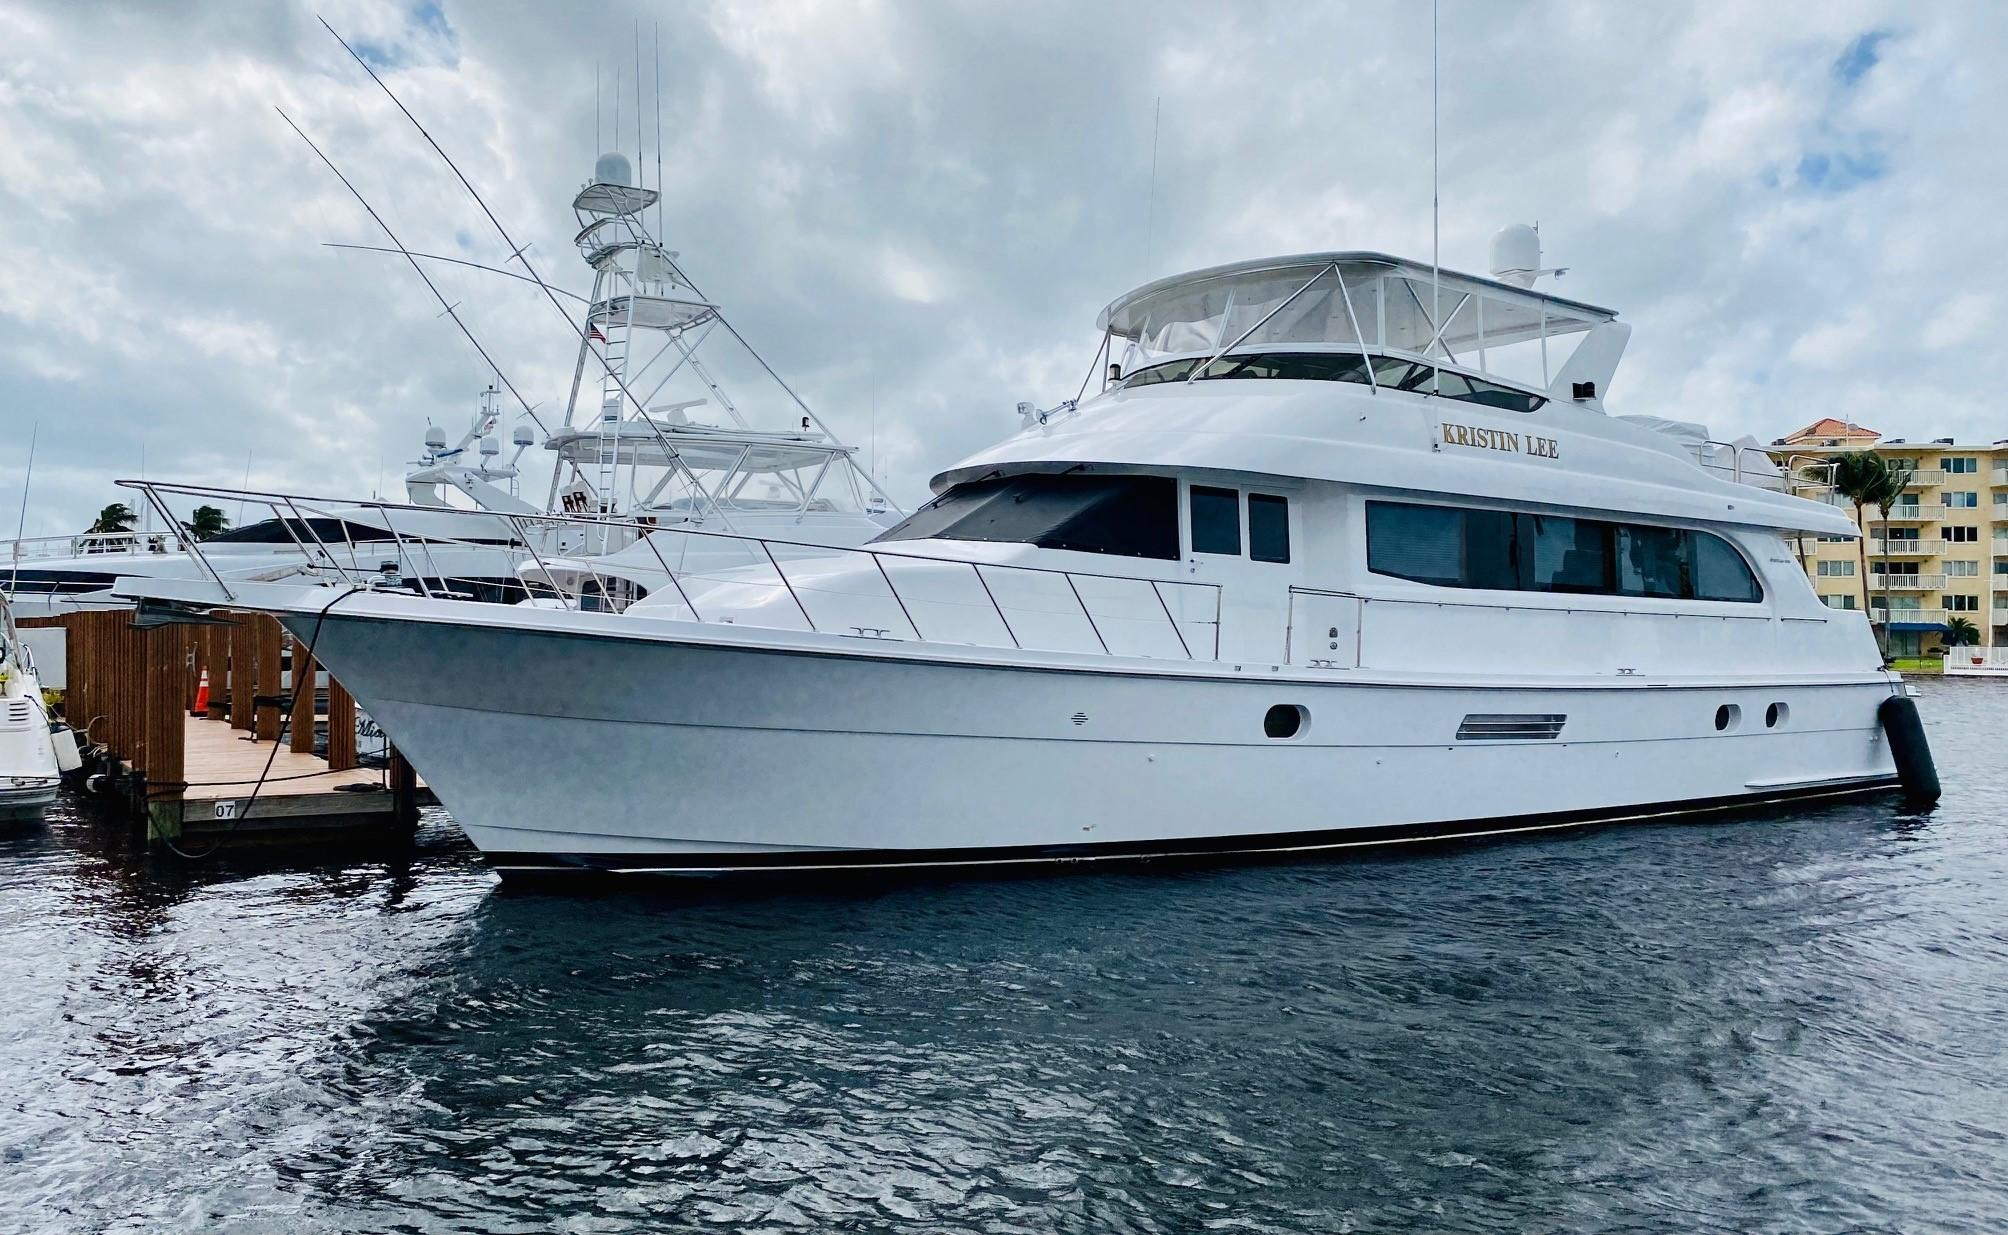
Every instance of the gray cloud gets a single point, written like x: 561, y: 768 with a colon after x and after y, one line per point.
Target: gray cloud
x: 922, y: 206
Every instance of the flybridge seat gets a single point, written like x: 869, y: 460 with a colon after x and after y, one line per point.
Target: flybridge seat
x: 1374, y: 303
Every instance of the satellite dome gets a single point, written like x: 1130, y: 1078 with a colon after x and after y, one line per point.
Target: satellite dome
x: 490, y: 447
x: 435, y: 438
x: 1516, y: 255
x: 523, y: 436
x: 614, y: 168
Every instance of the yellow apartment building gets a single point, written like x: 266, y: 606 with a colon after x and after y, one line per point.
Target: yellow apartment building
x: 1947, y: 550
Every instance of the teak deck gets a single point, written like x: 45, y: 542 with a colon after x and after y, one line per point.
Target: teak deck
x: 223, y: 767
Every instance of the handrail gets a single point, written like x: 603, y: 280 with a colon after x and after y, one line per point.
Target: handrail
x: 530, y: 531
x: 84, y: 544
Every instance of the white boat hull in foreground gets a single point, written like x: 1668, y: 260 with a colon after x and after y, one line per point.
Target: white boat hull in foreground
x: 606, y: 742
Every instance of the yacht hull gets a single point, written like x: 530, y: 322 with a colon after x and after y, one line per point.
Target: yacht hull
x: 570, y: 750
x: 26, y: 801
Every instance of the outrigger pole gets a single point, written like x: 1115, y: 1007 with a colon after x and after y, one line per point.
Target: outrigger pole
x: 451, y: 309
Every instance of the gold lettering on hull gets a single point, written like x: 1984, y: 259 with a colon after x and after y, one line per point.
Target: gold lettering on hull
x: 1479, y: 438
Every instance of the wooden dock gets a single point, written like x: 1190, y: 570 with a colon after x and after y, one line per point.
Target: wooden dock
x: 252, y: 767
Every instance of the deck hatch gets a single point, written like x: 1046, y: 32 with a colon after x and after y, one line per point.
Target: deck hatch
x: 1510, y: 726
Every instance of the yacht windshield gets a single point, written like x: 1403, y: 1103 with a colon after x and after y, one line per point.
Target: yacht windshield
x: 1390, y: 371
x: 1130, y: 516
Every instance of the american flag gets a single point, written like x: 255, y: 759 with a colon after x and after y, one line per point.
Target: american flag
x: 594, y: 331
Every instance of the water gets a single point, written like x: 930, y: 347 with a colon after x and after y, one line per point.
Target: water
x: 1790, y: 1024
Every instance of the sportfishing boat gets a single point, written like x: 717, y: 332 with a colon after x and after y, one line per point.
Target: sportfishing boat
x: 29, y: 775
x: 1345, y: 550
x: 629, y: 450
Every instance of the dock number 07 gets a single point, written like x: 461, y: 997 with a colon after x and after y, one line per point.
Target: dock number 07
x: 226, y: 809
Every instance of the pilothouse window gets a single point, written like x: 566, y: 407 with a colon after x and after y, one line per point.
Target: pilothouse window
x: 1216, y: 520
x: 1129, y: 516
x: 1504, y: 551
x: 1268, y: 528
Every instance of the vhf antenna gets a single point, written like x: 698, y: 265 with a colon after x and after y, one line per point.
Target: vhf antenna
x: 1435, y: 211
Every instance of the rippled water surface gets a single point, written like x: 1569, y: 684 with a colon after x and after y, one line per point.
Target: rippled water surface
x: 1798, y: 1022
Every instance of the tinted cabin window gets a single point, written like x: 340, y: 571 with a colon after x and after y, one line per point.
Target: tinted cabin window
x: 1268, y: 528
x: 1216, y: 520
x: 317, y: 532
x: 1442, y: 545
x: 1569, y: 555
x: 1498, y: 550
x: 1720, y: 573
x: 1130, y: 516
x: 1653, y: 561
x: 303, y: 531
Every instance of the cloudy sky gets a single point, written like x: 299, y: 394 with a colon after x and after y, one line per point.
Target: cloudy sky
x: 916, y: 209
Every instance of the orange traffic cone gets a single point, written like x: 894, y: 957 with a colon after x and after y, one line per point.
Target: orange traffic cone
x: 201, y: 707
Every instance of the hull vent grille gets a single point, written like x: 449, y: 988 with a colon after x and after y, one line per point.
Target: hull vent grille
x: 1510, y: 727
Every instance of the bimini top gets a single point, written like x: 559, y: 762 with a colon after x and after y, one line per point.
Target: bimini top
x: 1356, y: 300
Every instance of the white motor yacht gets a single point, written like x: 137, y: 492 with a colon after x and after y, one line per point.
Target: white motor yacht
x: 29, y: 776
x: 1346, y: 551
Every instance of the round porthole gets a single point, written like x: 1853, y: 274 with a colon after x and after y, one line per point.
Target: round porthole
x: 1776, y: 715
x: 1285, y: 720
x: 1727, y: 717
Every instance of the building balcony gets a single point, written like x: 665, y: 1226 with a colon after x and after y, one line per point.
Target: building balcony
x: 1906, y: 548
x: 1927, y: 479
x: 1933, y: 616
x: 1998, y: 477
x: 1907, y: 583
x: 1923, y: 512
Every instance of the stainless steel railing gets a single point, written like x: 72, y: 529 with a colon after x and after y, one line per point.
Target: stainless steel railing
x: 610, y: 565
x: 43, y: 548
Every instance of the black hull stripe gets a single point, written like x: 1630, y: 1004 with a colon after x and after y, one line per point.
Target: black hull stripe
x: 1196, y: 849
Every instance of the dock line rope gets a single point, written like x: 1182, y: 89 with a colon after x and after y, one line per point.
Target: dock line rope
x: 264, y: 776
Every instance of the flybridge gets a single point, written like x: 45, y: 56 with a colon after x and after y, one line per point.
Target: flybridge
x: 1372, y: 302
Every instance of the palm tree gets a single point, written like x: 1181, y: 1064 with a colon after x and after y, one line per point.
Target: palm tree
x: 207, y: 521
x: 1897, y: 475
x: 1961, y: 633
x: 117, y: 517
x: 1860, y: 476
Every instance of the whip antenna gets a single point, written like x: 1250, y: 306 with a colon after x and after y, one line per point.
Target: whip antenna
x: 1435, y: 226
x: 1150, y: 202
x: 21, y: 525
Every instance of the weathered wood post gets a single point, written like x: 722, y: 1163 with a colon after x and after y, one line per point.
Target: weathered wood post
x: 403, y: 789
x: 304, y: 674
x: 242, y: 677
x: 128, y: 684
x: 341, y: 727
x: 77, y: 672
x: 163, y: 748
x: 270, y: 676
x: 219, y: 672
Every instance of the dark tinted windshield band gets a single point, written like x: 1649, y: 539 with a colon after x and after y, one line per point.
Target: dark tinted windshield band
x: 1389, y: 371
x: 1130, y: 516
